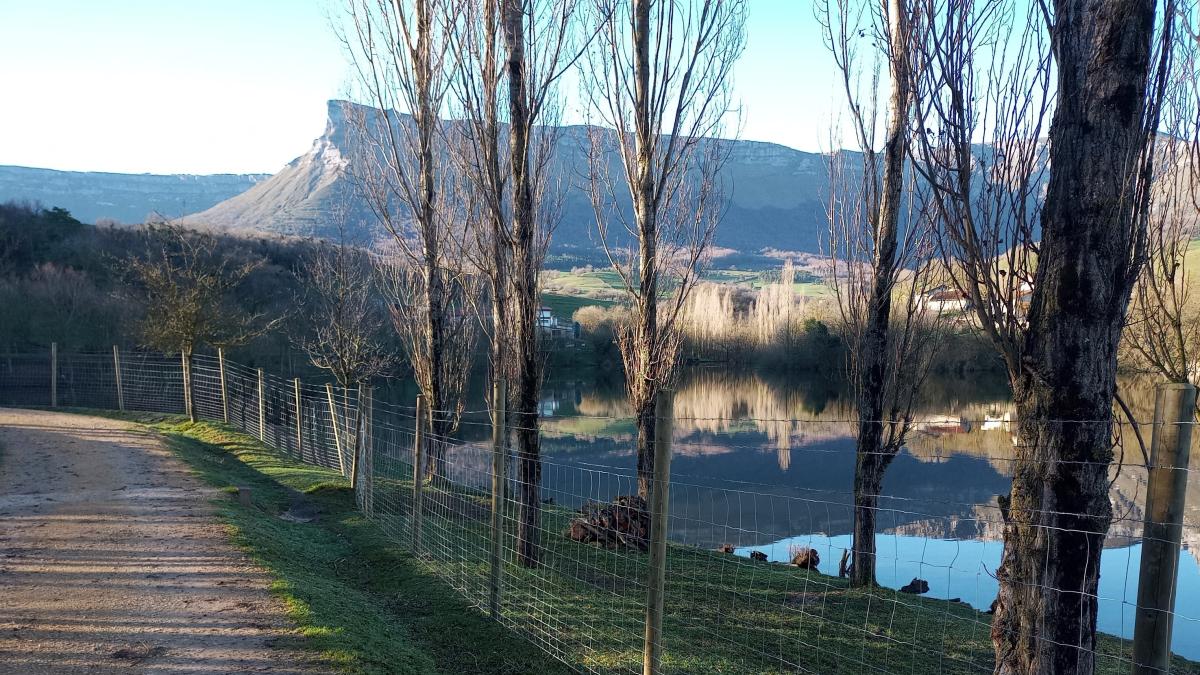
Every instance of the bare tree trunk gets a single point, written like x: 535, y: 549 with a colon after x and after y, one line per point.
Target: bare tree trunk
x: 1059, y: 510
x: 868, y: 481
x: 525, y: 292
x: 646, y: 330
x: 435, y: 300
x: 872, y: 353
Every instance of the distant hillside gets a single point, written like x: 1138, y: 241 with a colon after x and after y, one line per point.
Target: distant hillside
x: 777, y: 194
x: 126, y: 198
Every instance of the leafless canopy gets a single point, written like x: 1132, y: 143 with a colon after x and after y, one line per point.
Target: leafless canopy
x: 343, y: 306
x: 658, y: 77
x: 1164, y: 319
x: 187, y: 282
x: 984, y: 99
x: 400, y: 52
x: 881, y: 236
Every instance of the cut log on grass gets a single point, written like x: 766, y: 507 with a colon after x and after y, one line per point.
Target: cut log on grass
x: 806, y: 558
x: 623, y: 524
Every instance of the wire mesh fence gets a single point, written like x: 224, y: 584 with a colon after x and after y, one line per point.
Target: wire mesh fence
x: 754, y: 573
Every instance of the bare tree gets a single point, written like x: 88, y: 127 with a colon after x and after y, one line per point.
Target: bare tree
x: 659, y: 75
x: 1164, y: 318
x: 399, y: 50
x: 344, y: 308
x: 522, y: 48
x: 879, y: 237
x: 187, y: 283
x: 1054, y: 301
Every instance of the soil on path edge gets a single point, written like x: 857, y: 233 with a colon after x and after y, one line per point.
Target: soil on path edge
x: 112, y: 560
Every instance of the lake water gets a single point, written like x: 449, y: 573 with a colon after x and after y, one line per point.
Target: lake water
x: 766, y: 463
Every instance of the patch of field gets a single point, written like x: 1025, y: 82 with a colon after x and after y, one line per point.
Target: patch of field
x: 565, y: 306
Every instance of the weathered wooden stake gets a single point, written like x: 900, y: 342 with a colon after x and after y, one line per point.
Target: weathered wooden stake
x: 224, y: 387
x: 358, y: 416
x: 53, y: 374
x: 652, y: 648
x: 368, y: 501
x: 299, y: 420
x: 418, y: 478
x: 189, y: 406
x: 262, y: 408
x: 499, y: 479
x: 117, y: 377
x: 337, y: 435
x: 1174, y: 410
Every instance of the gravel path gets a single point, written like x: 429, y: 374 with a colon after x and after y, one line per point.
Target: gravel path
x: 111, y: 560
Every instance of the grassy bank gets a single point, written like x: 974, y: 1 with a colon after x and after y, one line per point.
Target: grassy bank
x: 359, y: 600
x: 371, y: 607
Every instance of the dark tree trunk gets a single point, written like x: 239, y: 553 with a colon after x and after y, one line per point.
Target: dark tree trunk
x: 525, y: 292
x: 644, y: 382
x: 868, y: 481
x: 1059, y: 511
x: 425, y: 118
x: 872, y: 352
x: 646, y: 426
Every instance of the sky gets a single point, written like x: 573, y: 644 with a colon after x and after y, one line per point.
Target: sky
x: 239, y: 86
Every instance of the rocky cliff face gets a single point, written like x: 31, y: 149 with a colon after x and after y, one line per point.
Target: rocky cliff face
x: 777, y: 194
x: 125, y: 198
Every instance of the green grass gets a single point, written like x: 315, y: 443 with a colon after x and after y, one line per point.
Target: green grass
x: 564, y: 306
x: 369, y: 606
x: 359, y: 600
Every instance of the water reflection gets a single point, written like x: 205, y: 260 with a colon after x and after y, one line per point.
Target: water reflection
x: 763, y: 462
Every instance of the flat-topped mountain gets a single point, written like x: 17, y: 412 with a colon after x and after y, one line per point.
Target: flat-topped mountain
x: 777, y: 194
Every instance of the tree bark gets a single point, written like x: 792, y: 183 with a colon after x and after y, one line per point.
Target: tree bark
x: 645, y: 332
x: 425, y: 118
x: 872, y: 350
x: 1059, y: 511
x: 868, y: 481
x: 525, y: 292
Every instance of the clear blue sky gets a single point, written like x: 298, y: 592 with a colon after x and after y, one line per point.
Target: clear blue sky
x: 211, y: 86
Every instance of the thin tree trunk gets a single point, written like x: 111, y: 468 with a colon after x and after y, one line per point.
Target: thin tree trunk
x: 873, y: 352
x: 525, y: 292
x: 435, y: 300
x: 1059, y: 510
x: 645, y: 333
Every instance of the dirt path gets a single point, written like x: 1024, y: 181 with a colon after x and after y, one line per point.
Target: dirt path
x: 111, y: 560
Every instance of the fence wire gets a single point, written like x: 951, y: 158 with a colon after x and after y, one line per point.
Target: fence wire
x: 733, y: 604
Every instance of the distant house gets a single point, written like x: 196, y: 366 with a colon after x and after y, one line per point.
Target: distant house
x: 945, y: 299
x: 552, y: 326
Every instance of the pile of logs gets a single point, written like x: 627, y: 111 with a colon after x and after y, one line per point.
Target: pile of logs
x: 622, y: 524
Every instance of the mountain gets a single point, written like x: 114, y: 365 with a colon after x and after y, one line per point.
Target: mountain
x: 125, y: 198
x: 777, y: 194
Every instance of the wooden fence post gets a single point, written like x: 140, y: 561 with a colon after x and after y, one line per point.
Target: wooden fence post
x: 368, y: 453
x: 652, y: 647
x: 117, y: 377
x: 224, y: 386
x: 418, y: 478
x: 53, y: 374
x: 299, y: 420
x: 358, y: 417
x: 499, y: 479
x: 337, y: 435
x: 1174, y: 416
x: 262, y: 409
x: 189, y: 406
